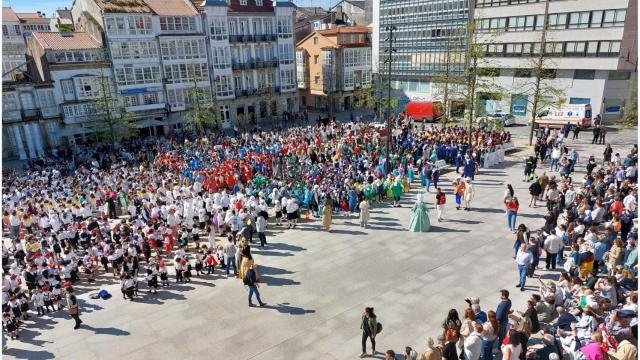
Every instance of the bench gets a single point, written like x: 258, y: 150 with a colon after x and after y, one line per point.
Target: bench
x: 441, y: 165
x: 508, y: 146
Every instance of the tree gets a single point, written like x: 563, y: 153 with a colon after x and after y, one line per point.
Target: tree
x: 110, y: 120
x: 541, y: 94
x: 453, y: 61
x: 630, y: 111
x: 271, y: 106
x: 372, y: 98
x: 205, y: 112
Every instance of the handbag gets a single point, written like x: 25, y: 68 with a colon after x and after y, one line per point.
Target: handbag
x: 73, y: 310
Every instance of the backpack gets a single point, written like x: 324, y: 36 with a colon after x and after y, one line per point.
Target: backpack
x: 379, y: 329
x: 104, y: 295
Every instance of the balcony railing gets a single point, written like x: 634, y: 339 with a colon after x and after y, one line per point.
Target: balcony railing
x: 30, y: 114
x: 252, y: 38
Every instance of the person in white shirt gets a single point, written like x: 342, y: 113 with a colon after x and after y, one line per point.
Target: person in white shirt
x: 524, y: 259
x: 552, y: 246
x: 234, y: 224
x: 473, y: 343
x: 229, y: 252
x: 630, y: 203
x: 261, y: 225
x: 292, y: 213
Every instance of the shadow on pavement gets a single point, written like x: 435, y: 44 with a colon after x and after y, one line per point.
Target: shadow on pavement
x: 286, y: 308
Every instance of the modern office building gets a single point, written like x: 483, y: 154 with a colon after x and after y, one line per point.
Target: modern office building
x: 332, y: 65
x: 424, y: 32
x: 590, y: 51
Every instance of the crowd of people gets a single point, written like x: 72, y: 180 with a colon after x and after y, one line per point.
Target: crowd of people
x: 155, y: 212
x: 587, y: 308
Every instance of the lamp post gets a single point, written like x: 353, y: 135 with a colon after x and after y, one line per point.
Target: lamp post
x: 390, y: 29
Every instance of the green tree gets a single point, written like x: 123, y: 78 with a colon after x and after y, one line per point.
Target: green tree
x: 109, y: 119
x: 204, y: 112
x: 630, y: 110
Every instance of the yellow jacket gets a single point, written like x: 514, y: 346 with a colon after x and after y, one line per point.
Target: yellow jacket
x: 626, y: 351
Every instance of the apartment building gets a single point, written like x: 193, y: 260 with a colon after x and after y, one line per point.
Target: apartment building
x: 77, y: 67
x: 243, y: 51
x: 13, y: 46
x: 252, y: 54
x: 591, y: 47
x: 424, y: 31
x: 332, y: 65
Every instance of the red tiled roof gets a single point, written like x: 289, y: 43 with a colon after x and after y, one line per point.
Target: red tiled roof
x: 9, y: 15
x: 171, y: 7
x: 347, y: 30
x: 123, y: 6
x: 65, y: 41
x: 33, y: 18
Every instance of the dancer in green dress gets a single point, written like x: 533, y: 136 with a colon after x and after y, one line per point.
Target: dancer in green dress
x: 420, y: 215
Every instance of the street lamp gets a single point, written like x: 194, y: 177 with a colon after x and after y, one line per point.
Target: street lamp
x: 390, y: 50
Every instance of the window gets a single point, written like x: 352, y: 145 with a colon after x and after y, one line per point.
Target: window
x: 186, y: 73
x: 284, y: 27
x: 557, y: 21
x: 223, y: 86
x: 87, y: 87
x: 517, y: 23
x: 592, y: 48
x: 150, y: 98
x: 243, y: 2
x: 619, y: 75
x: 315, y: 40
x: 614, y: 18
x: 490, y: 72
x: 523, y: 73
x: 5, y: 30
x: 125, y: 50
x: 315, y: 59
x: 316, y: 80
x: 553, y: 48
x: 138, y: 75
x: 175, y: 98
x: 287, y: 79
x: 182, y: 23
x: 67, y: 89
x: 16, y: 28
x: 131, y: 100
x: 514, y: 50
x: 584, y: 74
x: 609, y: 48
x: 285, y: 53
x: 348, y: 79
x: 579, y: 20
x: 596, y: 19
x: 548, y: 74
x: 221, y: 57
x: 123, y: 24
x: 183, y: 49
x: 575, y: 48
x: 218, y: 28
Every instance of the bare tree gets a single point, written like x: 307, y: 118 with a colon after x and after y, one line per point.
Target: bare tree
x: 109, y: 119
x: 204, y: 113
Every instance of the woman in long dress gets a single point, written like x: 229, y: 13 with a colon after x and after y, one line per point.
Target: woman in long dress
x: 327, y: 213
x: 420, y: 216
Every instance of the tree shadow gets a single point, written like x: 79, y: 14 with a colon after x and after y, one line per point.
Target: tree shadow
x: 285, y: 247
x: 84, y: 305
x: 471, y: 222
x: 29, y: 336
x: 269, y: 270
x: 272, y: 281
x: 106, y: 331
x: 28, y: 354
x: 270, y: 253
x: 439, y: 229
x: 286, y: 308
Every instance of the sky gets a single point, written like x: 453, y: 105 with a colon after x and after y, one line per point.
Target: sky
x: 49, y: 6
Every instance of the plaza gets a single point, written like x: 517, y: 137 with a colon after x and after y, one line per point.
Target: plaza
x: 316, y: 284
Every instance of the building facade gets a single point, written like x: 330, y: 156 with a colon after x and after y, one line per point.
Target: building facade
x: 77, y: 67
x: 332, y: 65
x: 425, y: 31
x: 13, y: 46
x: 241, y: 52
x: 252, y: 53
x: 584, y: 51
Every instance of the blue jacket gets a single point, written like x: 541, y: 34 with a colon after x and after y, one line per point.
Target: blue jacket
x: 502, y: 312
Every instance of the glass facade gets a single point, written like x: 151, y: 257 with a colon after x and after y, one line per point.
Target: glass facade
x: 427, y: 33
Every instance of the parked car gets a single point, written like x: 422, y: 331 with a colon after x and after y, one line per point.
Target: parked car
x: 504, y: 119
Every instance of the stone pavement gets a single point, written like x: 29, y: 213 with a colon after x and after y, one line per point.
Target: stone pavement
x: 317, y: 284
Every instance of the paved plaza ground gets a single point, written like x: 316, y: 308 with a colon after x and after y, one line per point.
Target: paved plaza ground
x: 316, y: 285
